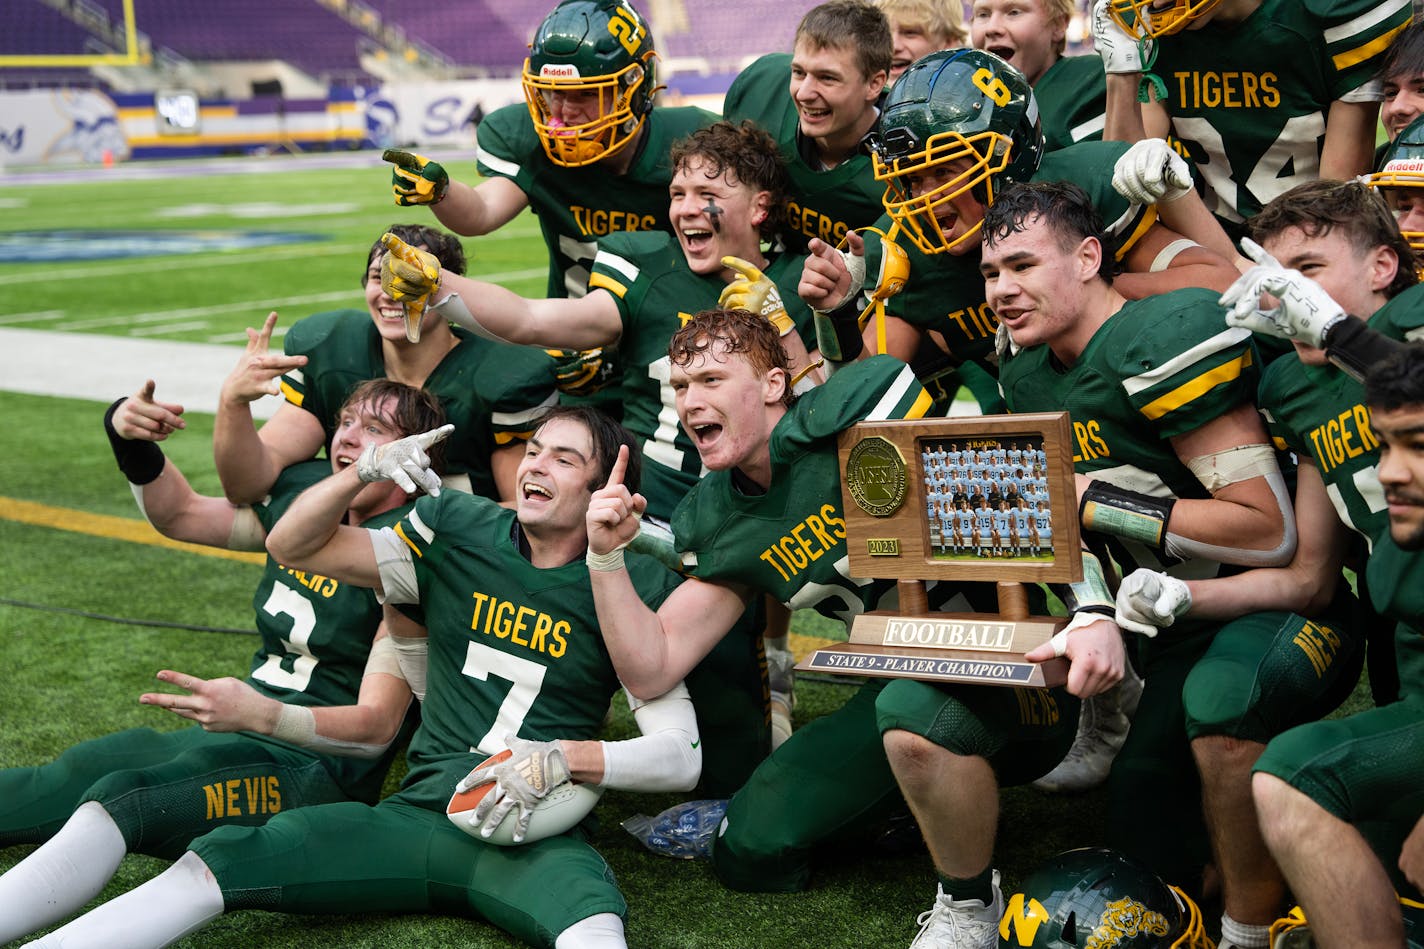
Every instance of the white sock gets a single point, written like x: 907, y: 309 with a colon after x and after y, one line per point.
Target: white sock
x: 67, y: 871
x: 180, y: 900
x: 603, y: 931
x: 1243, y: 935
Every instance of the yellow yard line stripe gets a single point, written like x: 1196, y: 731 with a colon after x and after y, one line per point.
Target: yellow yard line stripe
x: 141, y: 532
x: 113, y: 528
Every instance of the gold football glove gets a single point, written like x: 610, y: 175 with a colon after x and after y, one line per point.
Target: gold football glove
x: 410, y: 277
x: 416, y: 179
x: 755, y: 293
x: 578, y: 373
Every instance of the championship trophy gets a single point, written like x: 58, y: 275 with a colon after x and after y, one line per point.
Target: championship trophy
x: 987, y: 498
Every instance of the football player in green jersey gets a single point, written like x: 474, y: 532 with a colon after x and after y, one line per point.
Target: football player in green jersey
x: 724, y: 202
x: 766, y: 519
x: 515, y: 661
x: 1400, y: 179
x: 1175, y: 469
x: 493, y: 394
x: 819, y: 104
x: 956, y: 129
x: 1031, y: 35
x: 151, y: 792
x: 918, y: 27
x: 1274, y: 670
x: 587, y: 152
x: 1294, y: 104
x: 1401, y: 79
x: 1318, y: 786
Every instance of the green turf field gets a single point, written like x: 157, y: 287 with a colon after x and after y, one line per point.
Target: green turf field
x: 72, y: 671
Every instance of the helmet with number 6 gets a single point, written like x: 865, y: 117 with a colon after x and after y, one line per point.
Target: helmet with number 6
x: 956, y: 121
x: 1094, y: 897
x: 592, y: 59
x: 1150, y: 19
x: 1402, y: 167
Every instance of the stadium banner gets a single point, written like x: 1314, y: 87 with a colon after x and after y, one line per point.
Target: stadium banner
x: 433, y: 114
x: 49, y: 126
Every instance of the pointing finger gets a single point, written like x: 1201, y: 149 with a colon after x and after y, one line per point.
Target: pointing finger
x: 426, y: 439
x: 615, y: 477
x: 1258, y: 253
x: 401, y: 158
x: 744, y: 267
x: 407, y: 253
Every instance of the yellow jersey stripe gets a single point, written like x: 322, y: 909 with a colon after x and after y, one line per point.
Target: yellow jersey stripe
x: 921, y: 406
x: 400, y: 532
x: 1353, y: 57
x: 1149, y: 218
x: 1188, y: 391
x: 290, y: 394
x: 601, y: 281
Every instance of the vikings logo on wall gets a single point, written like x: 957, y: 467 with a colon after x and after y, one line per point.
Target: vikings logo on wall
x: 987, y: 498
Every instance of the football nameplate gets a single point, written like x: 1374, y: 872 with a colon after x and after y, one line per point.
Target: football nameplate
x: 973, y: 648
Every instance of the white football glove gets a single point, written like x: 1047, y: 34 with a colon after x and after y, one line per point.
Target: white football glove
x: 1150, y: 172
x: 404, y: 461
x: 1305, y: 312
x: 1148, y: 601
x: 1120, y: 52
x: 533, y: 770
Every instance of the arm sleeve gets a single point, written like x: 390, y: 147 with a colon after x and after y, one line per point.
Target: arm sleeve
x: 667, y: 756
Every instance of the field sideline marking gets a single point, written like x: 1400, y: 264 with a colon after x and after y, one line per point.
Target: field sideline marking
x: 141, y: 532
x: 111, y: 528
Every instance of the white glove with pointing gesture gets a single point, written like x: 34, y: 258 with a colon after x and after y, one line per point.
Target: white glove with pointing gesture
x: 404, y: 461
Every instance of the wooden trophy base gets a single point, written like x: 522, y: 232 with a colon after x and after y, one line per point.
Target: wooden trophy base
x: 972, y: 648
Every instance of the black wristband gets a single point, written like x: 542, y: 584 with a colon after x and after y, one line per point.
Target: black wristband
x: 1353, y: 346
x: 140, y: 461
x: 1130, y: 515
x: 838, y: 331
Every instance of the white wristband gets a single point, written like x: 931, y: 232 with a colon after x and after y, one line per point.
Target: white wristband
x: 613, y: 560
x: 296, y: 724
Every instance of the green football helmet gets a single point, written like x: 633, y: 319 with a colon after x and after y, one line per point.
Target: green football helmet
x: 1149, y: 19
x: 961, y: 121
x: 1095, y: 897
x: 598, y: 53
x: 1403, y: 167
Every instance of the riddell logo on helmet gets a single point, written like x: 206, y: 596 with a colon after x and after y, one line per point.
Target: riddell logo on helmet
x: 554, y: 71
x: 1415, y: 165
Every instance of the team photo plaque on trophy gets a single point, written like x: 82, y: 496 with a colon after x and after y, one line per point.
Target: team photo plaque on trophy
x: 986, y: 498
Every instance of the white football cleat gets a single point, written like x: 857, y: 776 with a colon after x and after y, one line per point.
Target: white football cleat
x: 961, y: 924
x: 1103, y: 723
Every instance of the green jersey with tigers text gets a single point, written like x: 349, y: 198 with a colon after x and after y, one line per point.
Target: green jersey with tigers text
x: 791, y: 541
x: 1319, y: 412
x: 822, y: 202
x: 657, y: 293
x: 577, y: 207
x: 1158, y: 368
x: 513, y: 647
x: 1250, y: 100
x: 492, y: 393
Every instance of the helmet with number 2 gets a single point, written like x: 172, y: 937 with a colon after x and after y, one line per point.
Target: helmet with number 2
x: 962, y: 120
x: 592, y: 60
x: 1150, y: 19
x: 1096, y: 897
x: 1403, y: 167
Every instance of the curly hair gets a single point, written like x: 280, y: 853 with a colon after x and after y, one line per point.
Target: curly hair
x: 747, y: 153
x: 741, y: 332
